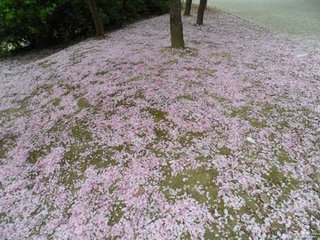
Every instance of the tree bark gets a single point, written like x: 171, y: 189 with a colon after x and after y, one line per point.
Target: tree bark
x: 98, y: 24
x: 176, y: 28
x: 187, y: 10
x: 201, y: 8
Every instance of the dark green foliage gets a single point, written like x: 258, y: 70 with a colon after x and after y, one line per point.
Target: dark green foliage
x: 36, y: 23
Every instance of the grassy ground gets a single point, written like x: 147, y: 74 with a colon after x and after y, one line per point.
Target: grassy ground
x: 296, y: 17
x: 125, y: 138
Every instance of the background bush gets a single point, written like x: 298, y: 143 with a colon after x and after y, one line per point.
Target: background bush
x: 36, y: 23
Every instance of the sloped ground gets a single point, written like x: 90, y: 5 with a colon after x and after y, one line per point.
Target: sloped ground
x: 126, y: 138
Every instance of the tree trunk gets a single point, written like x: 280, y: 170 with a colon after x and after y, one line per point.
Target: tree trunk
x: 176, y: 29
x: 201, y: 8
x: 98, y: 24
x: 187, y: 10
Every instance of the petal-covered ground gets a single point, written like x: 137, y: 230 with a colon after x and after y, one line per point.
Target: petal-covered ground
x: 126, y: 138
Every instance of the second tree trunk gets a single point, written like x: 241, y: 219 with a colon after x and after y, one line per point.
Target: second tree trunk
x: 98, y: 24
x: 176, y: 29
x: 202, y: 7
x: 187, y: 10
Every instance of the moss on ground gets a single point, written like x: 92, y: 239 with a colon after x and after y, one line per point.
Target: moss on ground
x: 242, y: 112
x: 225, y: 151
x: 38, y: 153
x: 187, y: 97
x: 272, y: 137
x: 188, y: 138
x: 56, y: 102
x: 258, y: 123
x: 83, y: 103
x: 6, y: 142
x: 189, y: 181
x: 116, y: 213
x: 282, y: 126
x: 161, y: 134
x: 157, y: 114
x: 100, y: 158
x: 227, y: 55
x: 283, y: 156
x: 80, y: 132
x: 278, y: 179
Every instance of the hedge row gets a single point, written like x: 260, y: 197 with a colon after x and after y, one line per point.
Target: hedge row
x: 35, y: 23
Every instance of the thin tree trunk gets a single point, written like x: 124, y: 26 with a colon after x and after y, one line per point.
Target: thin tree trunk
x: 187, y: 10
x: 176, y: 28
x: 98, y: 24
x: 124, y: 5
x: 201, y: 8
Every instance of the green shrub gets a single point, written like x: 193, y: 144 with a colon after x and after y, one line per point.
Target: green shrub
x: 37, y: 23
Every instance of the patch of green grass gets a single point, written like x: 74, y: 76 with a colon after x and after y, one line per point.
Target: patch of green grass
x: 274, y: 176
x: 272, y: 136
x: 251, y: 66
x: 210, y: 233
x: 127, y: 103
x: 171, y: 62
x: 188, y: 181
x: 282, y: 126
x: 47, y: 63
x: 187, y: 97
x: 56, y: 102
x: 70, y: 175
x: 242, y: 112
x: 277, y: 178
x: 217, y: 97
x: 285, y: 182
x: 69, y: 178
x: 187, y: 138
x: 252, y: 205
x: 258, y: 123
x: 283, y: 156
x: 187, y: 52
x: 228, y: 228
x: 83, y: 103
x: 204, y: 71
x: 116, y: 213
x: 5, y: 143
x: 267, y: 109
x: 109, y: 113
x: 100, y: 158
x: 60, y: 125
x: 161, y: 134
x: 38, y: 153
x: 21, y: 110
x: 225, y: 151
x: 223, y: 54
x: 80, y: 132
x: 123, y: 147
x: 70, y: 89
x: 317, y: 177
x: 186, y: 236
x: 133, y: 79
x: 157, y: 114
x: 306, y: 111
x: 73, y: 154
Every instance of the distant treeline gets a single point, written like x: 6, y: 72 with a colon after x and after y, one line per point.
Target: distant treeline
x: 37, y: 23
